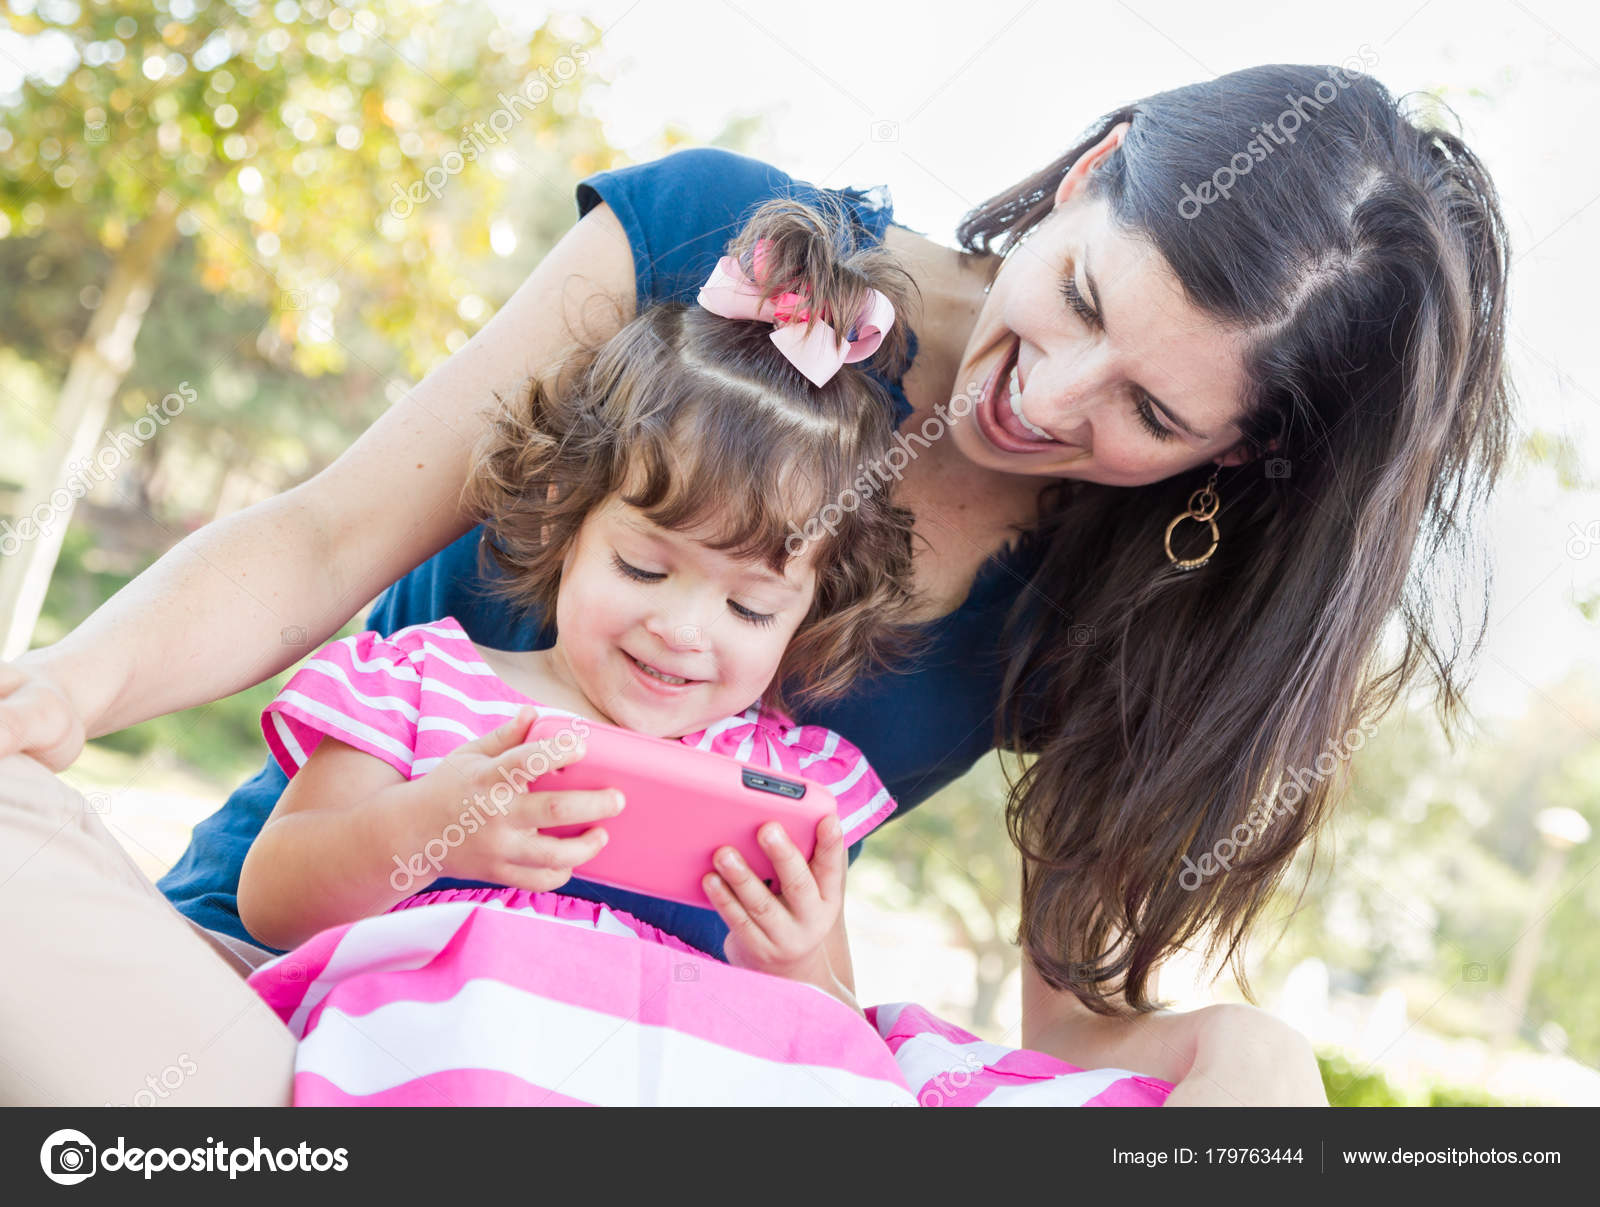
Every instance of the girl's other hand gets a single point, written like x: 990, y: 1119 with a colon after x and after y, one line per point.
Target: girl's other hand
x: 480, y: 788
x: 37, y: 717
x: 782, y: 934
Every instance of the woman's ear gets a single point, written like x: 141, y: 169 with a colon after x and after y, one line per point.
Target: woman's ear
x: 1240, y: 454
x: 1076, y: 175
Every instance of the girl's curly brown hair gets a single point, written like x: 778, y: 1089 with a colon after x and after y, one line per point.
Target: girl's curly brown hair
x: 703, y: 424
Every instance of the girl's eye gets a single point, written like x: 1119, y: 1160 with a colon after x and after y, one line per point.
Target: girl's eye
x: 628, y: 570
x: 1147, y: 416
x: 633, y: 572
x: 758, y: 618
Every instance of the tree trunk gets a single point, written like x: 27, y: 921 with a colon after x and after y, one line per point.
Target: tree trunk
x: 32, y: 542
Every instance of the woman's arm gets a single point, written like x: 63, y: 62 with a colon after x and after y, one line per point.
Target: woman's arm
x: 208, y: 618
x: 1228, y: 1055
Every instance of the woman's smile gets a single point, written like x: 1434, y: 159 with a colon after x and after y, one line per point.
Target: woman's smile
x: 999, y: 410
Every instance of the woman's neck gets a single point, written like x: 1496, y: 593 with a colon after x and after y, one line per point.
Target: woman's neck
x: 950, y: 284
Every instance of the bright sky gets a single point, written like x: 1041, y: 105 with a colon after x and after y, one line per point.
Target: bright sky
x: 948, y: 103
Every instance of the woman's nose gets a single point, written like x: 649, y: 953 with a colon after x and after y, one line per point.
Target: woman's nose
x: 1068, y: 388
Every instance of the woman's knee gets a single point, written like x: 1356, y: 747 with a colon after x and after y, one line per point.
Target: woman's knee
x: 29, y: 786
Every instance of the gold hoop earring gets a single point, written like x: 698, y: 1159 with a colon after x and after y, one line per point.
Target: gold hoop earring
x: 1203, y: 505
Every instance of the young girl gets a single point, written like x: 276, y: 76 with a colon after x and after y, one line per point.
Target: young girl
x: 690, y: 508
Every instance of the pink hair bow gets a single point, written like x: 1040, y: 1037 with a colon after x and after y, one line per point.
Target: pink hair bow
x: 730, y: 292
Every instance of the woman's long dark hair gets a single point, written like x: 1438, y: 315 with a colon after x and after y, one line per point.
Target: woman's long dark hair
x: 1170, y: 711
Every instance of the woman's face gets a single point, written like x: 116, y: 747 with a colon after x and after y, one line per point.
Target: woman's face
x: 1091, y: 363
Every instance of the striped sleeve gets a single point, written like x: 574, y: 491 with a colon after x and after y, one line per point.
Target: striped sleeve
x: 829, y: 759
x: 813, y: 752
x: 363, y: 689
x: 947, y: 1066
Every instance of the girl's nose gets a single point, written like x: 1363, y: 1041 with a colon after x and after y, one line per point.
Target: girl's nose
x: 679, y: 630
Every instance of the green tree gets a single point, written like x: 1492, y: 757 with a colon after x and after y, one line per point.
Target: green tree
x: 331, y: 164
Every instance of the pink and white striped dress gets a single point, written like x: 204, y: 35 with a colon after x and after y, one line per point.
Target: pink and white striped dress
x: 505, y: 997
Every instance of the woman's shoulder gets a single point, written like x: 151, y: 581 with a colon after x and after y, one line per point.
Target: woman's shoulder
x: 680, y: 211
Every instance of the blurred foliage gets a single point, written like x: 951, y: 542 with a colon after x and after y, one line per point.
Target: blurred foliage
x: 307, y: 287
x: 1348, y: 1085
x: 952, y: 855
x: 331, y: 162
x: 1425, y: 879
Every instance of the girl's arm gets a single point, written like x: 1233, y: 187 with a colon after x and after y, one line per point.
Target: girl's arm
x: 322, y: 858
x: 1228, y: 1055
x: 208, y: 618
x: 350, y: 836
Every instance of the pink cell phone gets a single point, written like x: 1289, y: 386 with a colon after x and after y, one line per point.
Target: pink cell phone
x: 681, y: 805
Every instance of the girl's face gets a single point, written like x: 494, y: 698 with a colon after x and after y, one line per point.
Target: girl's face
x: 664, y: 634
x: 1118, y: 378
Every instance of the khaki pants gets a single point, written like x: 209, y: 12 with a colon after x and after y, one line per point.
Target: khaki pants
x: 108, y: 995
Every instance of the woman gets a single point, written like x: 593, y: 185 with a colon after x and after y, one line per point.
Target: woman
x: 1289, y: 333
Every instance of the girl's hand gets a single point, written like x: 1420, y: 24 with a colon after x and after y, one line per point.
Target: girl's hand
x: 479, y: 792
x: 37, y: 717
x: 783, y: 934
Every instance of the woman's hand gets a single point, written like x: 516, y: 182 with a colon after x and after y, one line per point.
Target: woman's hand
x: 37, y: 717
x: 784, y: 934
x: 478, y: 791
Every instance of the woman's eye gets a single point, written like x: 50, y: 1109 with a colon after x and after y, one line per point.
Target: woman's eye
x: 1075, y: 300
x: 1147, y: 416
x: 744, y: 613
x: 633, y: 572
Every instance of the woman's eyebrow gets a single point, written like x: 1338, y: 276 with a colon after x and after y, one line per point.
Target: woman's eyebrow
x: 1100, y: 311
